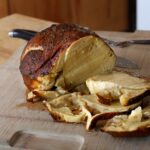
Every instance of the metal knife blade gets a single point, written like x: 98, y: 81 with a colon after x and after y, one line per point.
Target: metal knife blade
x: 126, y: 63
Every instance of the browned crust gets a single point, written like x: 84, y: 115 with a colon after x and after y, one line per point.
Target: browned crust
x: 104, y: 100
x: 103, y: 116
x: 30, y: 83
x: 139, y: 97
x: 141, y: 131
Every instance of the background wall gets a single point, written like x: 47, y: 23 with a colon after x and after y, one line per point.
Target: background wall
x: 143, y: 14
x: 97, y: 14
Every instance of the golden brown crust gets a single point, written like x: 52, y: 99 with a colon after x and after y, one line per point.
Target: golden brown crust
x: 142, y: 131
x: 30, y: 83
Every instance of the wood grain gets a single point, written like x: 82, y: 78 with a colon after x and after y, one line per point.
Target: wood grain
x: 38, y: 125
x: 103, y: 15
x: 3, y: 8
x: 96, y: 14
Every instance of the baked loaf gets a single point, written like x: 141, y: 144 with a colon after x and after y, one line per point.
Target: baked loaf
x: 64, y: 55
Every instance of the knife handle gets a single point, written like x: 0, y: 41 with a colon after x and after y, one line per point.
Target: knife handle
x: 22, y: 34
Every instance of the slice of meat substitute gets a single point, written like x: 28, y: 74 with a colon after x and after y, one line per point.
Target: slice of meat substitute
x: 135, y: 124
x: 119, y: 86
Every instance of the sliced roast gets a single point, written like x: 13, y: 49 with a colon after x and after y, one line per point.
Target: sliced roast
x: 119, y: 86
x: 64, y: 55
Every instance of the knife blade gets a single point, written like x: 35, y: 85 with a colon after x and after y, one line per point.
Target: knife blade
x: 126, y: 63
x: 28, y: 34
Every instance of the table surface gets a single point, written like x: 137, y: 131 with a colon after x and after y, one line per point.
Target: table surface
x: 13, y: 118
x: 138, y: 53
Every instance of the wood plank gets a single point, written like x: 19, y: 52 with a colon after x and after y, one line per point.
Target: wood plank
x: 97, y: 14
x: 35, y: 123
x: 103, y: 15
x: 3, y: 8
x: 57, y: 10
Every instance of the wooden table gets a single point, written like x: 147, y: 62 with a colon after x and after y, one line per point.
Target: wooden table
x: 22, y: 119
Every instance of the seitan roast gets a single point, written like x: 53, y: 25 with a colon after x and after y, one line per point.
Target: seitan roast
x: 61, y: 55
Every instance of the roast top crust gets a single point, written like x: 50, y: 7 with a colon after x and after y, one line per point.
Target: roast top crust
x: 42, y: 51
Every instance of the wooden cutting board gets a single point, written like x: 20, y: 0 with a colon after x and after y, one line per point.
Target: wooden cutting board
x: 25, y: 128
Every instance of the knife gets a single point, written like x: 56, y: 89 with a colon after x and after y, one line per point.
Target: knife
x: 29, y: 34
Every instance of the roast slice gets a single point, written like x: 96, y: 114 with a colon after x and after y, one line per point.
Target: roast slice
x: 135, y: 124
x: 66, y: 108
x: 77, y: 108
x: 118, y: 86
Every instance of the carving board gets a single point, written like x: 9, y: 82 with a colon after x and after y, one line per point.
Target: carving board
x: 25, y: 128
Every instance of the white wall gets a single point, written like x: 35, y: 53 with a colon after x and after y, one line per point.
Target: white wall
x: 143, y: 15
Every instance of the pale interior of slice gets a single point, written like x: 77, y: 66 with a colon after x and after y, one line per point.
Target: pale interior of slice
x: 78, y: 109
x: 66, y: 108
x: 85, y: 58
x: 117, y: 86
